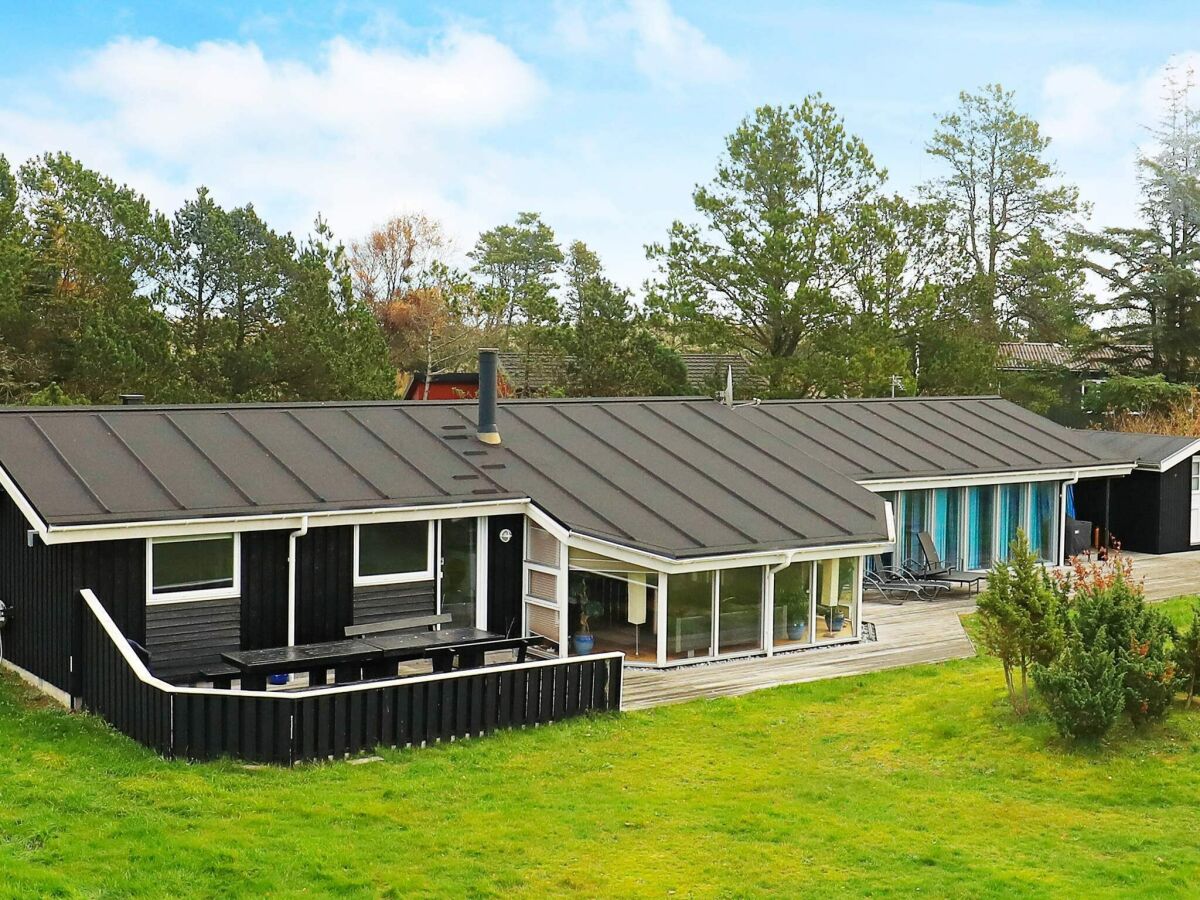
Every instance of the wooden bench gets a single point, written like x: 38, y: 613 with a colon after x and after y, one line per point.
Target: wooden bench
x: 221, y: 675
x: 472, y: 655
x: 413, y: 623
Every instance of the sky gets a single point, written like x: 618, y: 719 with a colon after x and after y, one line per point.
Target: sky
x: 601, y: 116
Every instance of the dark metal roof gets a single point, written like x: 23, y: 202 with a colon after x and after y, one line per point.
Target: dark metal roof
x: 1149, y: 450
x: 928, y: 436
x: 677, y: 477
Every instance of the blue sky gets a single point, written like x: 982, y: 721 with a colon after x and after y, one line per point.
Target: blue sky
x: 601, y: 116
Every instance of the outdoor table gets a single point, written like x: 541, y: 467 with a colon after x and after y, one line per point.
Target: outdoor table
x: 367, y: 657
x: 346, y: 658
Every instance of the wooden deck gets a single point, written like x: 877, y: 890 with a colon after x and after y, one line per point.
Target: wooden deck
x: 913, y: 633
x: 1169, y: 575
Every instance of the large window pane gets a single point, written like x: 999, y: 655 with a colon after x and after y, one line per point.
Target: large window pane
x: 459, y: 559
x: 793, y: 605
x: 947, y: 522
x: 203, y: 564
x: 393, y: 549
x: 689, y: 615
x: 614, y: 610
x: 915, y: 516
x: 739, y: 611
x: 1012, y: 516
x: 981, y: 526
x: 835, y: 598
x: 1044, y: 526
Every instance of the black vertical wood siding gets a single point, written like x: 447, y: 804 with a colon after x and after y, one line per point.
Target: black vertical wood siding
x: 38, y: 585
x: 1149, y: 512
x: 264, y: 605
x: 504, y: 573
x: 324, y: 584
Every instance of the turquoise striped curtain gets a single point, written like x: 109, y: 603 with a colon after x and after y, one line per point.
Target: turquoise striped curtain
x: 981, y: 507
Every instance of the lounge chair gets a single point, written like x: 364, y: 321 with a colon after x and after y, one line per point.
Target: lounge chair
x: 897, y: 585
x: 946, y: 571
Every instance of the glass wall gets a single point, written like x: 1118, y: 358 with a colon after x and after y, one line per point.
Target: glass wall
x: 612, y: 606
x: 836, y: 584
x: 947, y: 525
x: 1043, y: 528
x: 739, y: 610
x: 914, y: 518
x: 792, y: 623
x: 981, y: 526
x: 690, y: 615
x: 1012, y: 517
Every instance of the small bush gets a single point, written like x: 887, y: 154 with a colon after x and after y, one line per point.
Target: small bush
x: 1084, y: 691
x: 1187, y: 654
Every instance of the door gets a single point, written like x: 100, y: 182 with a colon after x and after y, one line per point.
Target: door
x: 460, y: 573
x: 1196, y: 499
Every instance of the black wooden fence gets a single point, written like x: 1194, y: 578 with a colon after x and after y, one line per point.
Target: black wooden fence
x: 289, y: 727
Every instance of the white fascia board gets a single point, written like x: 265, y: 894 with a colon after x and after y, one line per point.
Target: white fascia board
x: 1174, y: 459
x: 669, y: 566
x: 74, y: 534
x: 10, y: 487
x: 882, y: 485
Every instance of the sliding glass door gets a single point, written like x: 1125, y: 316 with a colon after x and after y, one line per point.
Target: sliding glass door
x: 981, y: 526
x: 1043, y: 526
x: 460, y: 554
x: 915, y: 506
x: 739, y: 610
x: 1012, y: 517
x: 947, y: 524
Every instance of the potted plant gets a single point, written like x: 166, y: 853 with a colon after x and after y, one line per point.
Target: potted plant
x: 583, y: 640
x: 797, y: 617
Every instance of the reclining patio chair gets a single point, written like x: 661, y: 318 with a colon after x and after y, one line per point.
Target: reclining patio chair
x: 944, y: 571
x: 896, y: 584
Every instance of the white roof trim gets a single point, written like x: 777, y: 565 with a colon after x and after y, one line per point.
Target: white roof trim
x: 1174, y: 459
x: 916, y: 483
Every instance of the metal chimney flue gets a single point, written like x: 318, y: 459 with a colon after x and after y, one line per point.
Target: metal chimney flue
x: 486, y: 429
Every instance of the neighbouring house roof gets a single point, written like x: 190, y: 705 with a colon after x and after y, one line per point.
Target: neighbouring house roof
x: 1028, y: 356
x: 924, y: 437
x: 1154, y: 452
x: 677, y: 477
x: 549, y: 370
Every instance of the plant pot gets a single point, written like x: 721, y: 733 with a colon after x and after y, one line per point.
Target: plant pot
x: 583, y: 643
x: 836, y: 625
x: 797, y: 632
x: 277, y: 679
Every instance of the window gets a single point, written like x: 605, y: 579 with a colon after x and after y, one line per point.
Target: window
x: 205, y: 567
x: 739, y: 610
x: 393, y: 552
x: 947, y: 524
x: 1043, y: 532
x: 690, y: 615
x: 837, y: 611
x: 981, y: 526
x: 1013, y: 516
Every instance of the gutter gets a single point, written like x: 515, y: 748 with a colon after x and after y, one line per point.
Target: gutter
x: 1062, y: 519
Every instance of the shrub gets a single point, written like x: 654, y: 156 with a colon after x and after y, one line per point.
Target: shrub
x: 1115, y: 619
x: 1187, y: 654
x: 1083, y: 690
x: 1021, y: 618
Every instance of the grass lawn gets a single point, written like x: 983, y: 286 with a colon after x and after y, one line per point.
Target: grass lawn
x: 913, y: 780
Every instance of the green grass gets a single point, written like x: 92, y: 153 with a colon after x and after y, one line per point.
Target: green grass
x: 909, y: 781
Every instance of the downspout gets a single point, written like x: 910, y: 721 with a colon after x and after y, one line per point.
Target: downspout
x: 291, y: 624
x: 769, y: 619
x: 1062, y: 519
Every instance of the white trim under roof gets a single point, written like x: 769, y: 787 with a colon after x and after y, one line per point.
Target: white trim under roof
x: 916, y: 483
x: 1174, y: 459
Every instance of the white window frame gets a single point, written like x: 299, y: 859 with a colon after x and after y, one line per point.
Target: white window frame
x: 426, y: 574
x: 153, y: 599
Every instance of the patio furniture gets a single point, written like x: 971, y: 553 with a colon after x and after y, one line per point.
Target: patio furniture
x: 897, y: 582
x: 373, y: 656
x: 473, y: 654
x: 895, y: 592
x: 411, y: 623
x: 942, y: 570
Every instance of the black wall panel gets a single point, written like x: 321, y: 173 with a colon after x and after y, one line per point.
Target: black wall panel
x: 324, y: 584
x: 378, y: 603
x: 504, y: 573
x: 185, y: 638
x: 264, y: 607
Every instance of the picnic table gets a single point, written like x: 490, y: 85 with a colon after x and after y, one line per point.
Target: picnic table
x: 374, y: 656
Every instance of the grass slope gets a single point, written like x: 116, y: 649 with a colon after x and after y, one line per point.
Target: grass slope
x: 914, y: 780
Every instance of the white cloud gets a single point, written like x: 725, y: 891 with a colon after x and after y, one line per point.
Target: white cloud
x: 359, y: 133
x: 1081, y: 104
x: 664, y: 46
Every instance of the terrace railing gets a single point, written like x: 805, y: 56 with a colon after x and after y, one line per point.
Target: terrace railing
x: 287, y: 727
